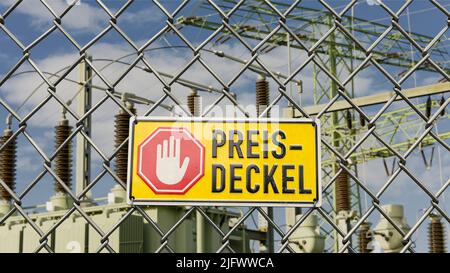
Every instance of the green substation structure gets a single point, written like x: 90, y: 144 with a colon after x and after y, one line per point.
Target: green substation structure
x: 133, y: 235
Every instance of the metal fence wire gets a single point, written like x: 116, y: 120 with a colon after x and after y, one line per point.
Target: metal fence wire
x: 335, y: 49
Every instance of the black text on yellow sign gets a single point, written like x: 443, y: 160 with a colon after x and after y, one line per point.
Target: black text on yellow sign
x: 236, y: 162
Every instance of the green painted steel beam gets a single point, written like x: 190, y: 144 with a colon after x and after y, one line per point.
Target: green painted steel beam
x: 399, y: 46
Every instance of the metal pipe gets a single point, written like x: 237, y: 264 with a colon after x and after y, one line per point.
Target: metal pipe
x: 193, y: 101
x: 83, y: 150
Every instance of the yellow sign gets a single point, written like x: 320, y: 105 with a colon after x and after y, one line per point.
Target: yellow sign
x: 238, y: 162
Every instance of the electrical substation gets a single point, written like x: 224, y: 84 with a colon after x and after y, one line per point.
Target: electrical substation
x: 375, y: 81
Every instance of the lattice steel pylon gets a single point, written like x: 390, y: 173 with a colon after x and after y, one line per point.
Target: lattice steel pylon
x: 340, y: 40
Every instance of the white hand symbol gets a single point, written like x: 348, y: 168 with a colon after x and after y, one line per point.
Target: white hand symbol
x: 168, y: 168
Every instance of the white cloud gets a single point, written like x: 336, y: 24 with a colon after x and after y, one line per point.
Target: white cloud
x: 83, y: 17
x: 143, y: 16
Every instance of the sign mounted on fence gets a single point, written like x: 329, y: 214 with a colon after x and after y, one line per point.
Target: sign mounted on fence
x: 221, y: 162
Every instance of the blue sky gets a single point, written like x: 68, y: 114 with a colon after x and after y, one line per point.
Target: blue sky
x: 140, y: 22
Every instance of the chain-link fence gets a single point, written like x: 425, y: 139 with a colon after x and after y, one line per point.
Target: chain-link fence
x: 87, y: 66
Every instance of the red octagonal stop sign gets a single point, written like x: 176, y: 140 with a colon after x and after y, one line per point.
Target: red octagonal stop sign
x: 171, y: 160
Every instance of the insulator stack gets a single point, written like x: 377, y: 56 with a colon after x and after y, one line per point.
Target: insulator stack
x: 442, y: 103
x: 364, y: 237
x: 193, y: 101
x: 262, y: 95
x: 8, y: 164
x: 349, y: 120
x: 428, y: 108
x: 63, y: 159
x: 436, y: 235
x: 342, y: 192
x: 362, y: 120
x: 122, y: 123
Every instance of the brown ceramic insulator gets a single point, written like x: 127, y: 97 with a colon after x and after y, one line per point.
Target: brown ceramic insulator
x: 349, y: 120
x: 428, y: 108
x: 436, y: 235
x: 122, y: 123
x: 342, y: 192
x: 63, y: 159
x: 262, y: 95
x: 193, y: 101
x: 362, y: 120
x: 8, y: 164
x: 363, y: 237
